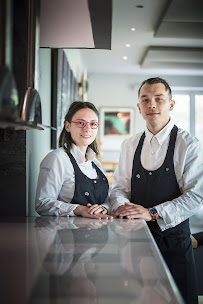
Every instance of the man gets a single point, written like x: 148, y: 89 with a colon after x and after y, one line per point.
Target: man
x: 160, y: 179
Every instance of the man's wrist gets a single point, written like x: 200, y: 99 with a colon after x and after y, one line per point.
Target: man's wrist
x: 154, y: 214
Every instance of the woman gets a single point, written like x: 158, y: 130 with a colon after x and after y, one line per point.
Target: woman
x: 71, y: 180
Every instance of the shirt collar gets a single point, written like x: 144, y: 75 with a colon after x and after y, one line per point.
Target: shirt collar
x: 162, y: 135
x: 75, y: 151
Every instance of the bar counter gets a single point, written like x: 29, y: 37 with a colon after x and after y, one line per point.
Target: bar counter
x: 78, y: 260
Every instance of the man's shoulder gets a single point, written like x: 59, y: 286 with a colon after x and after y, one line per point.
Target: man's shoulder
x: 186, y: 137
x: 133, y: 139
x: 186, y: 140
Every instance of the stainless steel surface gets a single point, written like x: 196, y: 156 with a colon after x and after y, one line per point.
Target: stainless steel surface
x: 78, y: 260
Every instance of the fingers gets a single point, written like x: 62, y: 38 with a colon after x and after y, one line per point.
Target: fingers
x: 130, y: 211
x: 96, y: 209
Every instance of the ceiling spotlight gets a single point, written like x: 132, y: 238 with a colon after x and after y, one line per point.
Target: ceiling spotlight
x: 128, y: 45
x: 139, y: 6
x: 125, y: 58
x: 133, y: 29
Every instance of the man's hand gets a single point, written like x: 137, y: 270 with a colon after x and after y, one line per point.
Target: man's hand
x: 130, y: 211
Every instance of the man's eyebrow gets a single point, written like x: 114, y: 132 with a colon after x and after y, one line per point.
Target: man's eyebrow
x: 159, y: 94
x: 143, y: 96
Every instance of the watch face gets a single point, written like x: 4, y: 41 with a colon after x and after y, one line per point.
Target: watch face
x: 153, y: 211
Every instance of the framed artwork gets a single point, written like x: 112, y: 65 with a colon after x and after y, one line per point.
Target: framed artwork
x: 64, y: 92
x: 116, y: 124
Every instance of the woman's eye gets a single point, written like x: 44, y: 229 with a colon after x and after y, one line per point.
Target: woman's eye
x: 81, y: 123
x: 93, y: 124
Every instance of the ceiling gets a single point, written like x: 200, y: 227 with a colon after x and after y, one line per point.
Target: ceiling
x: 168, y: 38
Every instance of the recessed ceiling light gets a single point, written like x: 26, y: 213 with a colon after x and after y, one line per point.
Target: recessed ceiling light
x: 139, y: 6
x: 128, y: 45
x: 133, y: 29
x: 125, y: 58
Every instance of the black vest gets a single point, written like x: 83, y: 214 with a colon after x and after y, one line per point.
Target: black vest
x: 93, y: 191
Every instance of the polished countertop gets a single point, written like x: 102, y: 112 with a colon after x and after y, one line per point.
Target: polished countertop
x: 78, y: 260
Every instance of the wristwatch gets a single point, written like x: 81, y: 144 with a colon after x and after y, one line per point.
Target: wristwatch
x: 153, y: 213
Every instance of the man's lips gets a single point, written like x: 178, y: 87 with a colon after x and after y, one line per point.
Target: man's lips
x: 153, y: 113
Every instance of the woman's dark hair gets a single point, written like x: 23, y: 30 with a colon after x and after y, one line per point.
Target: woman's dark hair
x: 65, y: 139
x: 155, y: 80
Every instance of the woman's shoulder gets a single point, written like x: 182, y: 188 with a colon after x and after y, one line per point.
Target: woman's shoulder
x: 55, y: 155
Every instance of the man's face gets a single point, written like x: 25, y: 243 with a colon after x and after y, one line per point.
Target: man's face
x: 154, y: 106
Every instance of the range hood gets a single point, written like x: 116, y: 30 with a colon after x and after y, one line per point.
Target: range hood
x: 25, y: 114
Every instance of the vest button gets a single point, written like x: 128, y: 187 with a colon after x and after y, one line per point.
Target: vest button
x: 167, y: 169
x: 87, y: 193
x: 95, y: 181
x: 150, y: 173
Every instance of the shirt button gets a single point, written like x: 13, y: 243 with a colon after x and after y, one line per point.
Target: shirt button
x: 150, y: 173
x: 87, y: 193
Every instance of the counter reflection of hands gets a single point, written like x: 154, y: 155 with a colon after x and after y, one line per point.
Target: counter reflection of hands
x: 89, y: 223
x: 132, y: 211
x: 92, y: 211
x: 131, y: 225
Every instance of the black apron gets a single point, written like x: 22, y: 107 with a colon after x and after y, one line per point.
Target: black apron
x: 150, y: 188
x: 93, y: 191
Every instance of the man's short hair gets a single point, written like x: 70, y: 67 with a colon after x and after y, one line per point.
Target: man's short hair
x: 155, y: 80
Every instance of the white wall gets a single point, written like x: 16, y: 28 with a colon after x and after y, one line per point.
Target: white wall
x: 38, y: 142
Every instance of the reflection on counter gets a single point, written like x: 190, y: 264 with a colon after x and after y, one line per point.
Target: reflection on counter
x: 80, y: 260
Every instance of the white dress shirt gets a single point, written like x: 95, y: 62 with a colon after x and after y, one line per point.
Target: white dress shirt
x: 56, y: 181
x: 188, y: 164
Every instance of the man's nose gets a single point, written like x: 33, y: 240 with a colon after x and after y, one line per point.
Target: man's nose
x: 152, y: 103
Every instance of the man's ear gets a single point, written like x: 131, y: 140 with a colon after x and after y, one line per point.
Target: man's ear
x: 67, y: 126
x: 172, y: 104
x: 138, y: 105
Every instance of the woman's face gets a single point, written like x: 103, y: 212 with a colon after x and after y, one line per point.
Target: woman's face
x: 82, y: 136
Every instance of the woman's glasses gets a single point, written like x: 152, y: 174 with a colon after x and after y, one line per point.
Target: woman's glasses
x: 82, y: 124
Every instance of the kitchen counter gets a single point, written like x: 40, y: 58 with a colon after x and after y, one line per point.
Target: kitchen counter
x: 78, y: 260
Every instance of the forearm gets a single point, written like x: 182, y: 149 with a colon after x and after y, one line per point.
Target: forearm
x: 178, y: 210
x: 48, y: 206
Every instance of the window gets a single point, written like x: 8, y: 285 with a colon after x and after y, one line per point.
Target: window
x: 181, y: 112
x: 188, y: 113
x: 199, y: 117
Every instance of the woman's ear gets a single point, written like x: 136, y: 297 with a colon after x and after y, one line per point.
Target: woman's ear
x: 67, y: 126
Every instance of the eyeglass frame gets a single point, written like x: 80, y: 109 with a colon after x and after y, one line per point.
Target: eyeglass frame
x: 86, y: 122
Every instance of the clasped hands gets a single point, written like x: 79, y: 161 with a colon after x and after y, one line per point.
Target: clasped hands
x: 93, y: 211
x: 132, y: 211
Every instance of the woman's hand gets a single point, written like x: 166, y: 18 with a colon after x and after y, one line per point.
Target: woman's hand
x: 95, y: 209
x: 83, y: 211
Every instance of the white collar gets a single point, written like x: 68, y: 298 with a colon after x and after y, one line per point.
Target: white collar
x: 162, y: 135
x: 75, y: 151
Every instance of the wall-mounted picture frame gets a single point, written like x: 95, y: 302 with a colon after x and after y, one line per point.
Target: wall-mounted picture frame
x: 64, y: 92
x: 116, y: 124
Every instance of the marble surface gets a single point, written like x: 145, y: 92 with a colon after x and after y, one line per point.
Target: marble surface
x: 78, y: 260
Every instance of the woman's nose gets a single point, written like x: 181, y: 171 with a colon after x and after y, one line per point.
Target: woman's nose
x: 87, y: 126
